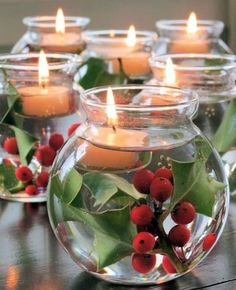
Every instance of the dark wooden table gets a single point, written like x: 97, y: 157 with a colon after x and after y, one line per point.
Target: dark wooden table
x: 31, y: 258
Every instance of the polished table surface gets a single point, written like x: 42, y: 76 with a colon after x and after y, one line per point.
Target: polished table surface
x: 31, y: 257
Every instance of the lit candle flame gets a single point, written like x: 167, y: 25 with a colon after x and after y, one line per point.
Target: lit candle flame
x: 192, y: 23
x: 170, y: 75
x: 60, y: 21
x: 111, y: 108
x: 131, y: 37
x: 112, y: 33
x: 43, y: 74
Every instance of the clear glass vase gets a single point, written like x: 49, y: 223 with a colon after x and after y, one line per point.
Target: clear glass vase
x: 41, y: 34
x: 123, y: 60
x: 34, y: 119
x: 174, y: 38
x: 108, y: 205
x: 213, y: 77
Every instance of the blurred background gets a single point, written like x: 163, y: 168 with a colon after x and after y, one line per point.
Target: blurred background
x: 115, y: 14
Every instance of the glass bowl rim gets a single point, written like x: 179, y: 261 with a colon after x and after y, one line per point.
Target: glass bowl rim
x: 159, y: 61
x: 49, y: 21
x: 193, y: 98
x: 105, y: 35
x: 180, y: 25
x: 66, y: 60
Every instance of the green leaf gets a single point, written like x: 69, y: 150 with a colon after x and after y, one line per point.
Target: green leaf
x: 225, y: 136
x: 192, y: 182
x: 113, y: 232
x: 71, y: 186
x: 101, y: 187
x: 12, y: 98
x: 8, y: 179
x: 105, y: 186
x: 25, y: 143
x: 56, y: 187
x: 125, y: 187
x: 93, y: 72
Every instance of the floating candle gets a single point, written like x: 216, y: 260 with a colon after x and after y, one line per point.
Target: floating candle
x: 191, y: 41
x: 115, y: 139
x: 44, y: 99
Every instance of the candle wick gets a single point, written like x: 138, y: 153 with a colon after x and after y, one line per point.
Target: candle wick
x: 114, y: 129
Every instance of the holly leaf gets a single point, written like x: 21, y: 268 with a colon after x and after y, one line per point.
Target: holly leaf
x: 193, y: 183
x: 25, y: 143
x: 56, y: 187
x: 71, y: 186
x: 225, y: 136
x: 12, y: 97
x: 8, y: 179
x: 94, y: 72
x: 113, y: 232
x: 104, y: 187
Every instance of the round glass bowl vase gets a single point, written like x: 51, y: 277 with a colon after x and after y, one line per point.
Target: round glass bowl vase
x: 38, y: 105
x: 175, y: 38
x: 41, y: 34
x: 213, y: 77
x: 118, y: 185
x: 115, y: 56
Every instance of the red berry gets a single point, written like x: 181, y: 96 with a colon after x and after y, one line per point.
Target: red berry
x: 161, y: 189
x: 56, y: 140
x: 10, y: 145
x: 42, y: 179
x: 164, y: 172
x: 142, y: 180
x: 7, y: 163
x: 45, y: 155
x: 24, y: 174
x: 183, y: 213
x: 31, y: 190
x: 72, y: 129
x: 208, y: 241
x: 141, y: 215
x: 143, y: 242
x: 167, y: 265
x: 179, y: 235
x: 143, y: 263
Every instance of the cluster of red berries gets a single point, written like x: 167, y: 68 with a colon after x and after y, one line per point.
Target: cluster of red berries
x: 159, y: 186
x: 144, y: 242
x: 45, y: 154
x: 32, y: 185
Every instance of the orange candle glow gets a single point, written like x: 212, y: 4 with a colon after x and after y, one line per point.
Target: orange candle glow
x: 61, y: 40
x: 114, y: 139
x: 191, y: 42
x: 44, y: 100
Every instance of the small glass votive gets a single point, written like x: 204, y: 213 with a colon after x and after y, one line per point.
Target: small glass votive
x: 213, y: 77
x: 41, y: 34
x: 123, y: 52
x: 38, y: 105
x: 106, y: 196
x: 174, y: 37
